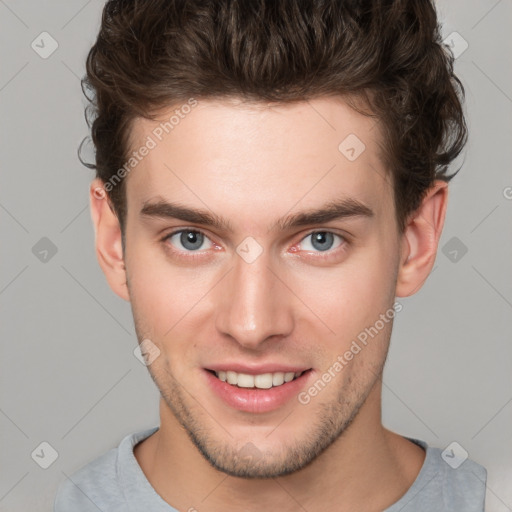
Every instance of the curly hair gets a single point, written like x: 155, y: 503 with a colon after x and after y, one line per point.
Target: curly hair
x: 150, y: 54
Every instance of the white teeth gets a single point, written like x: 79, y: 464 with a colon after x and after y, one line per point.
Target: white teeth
x: 262, y: 381
x: 245, y: 381
x: 277, y: 379
x: 232, y: 377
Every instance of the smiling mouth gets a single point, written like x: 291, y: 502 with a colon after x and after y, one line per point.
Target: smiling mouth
x: 261, y: 381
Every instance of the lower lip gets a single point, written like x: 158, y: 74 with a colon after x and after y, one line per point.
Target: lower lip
x: 256, y: 400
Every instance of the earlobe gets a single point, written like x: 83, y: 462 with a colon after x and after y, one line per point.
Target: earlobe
x: 108, y: 241
x: 420, y: 240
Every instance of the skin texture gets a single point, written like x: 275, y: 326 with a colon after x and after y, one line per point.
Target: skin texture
x: 253, y: 164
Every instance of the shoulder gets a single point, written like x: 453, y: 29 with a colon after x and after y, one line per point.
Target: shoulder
x: 462, y: 481
x: 447, y: 481
x: 90, y: 487
x: 97, y: 486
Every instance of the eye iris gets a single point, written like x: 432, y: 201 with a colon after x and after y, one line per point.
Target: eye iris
x: 324, y: 239
x: 191, y: 237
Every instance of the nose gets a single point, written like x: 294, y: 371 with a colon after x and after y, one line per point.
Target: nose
x: 254, y: 304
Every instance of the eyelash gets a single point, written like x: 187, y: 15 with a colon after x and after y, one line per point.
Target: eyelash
x: 192, y: 256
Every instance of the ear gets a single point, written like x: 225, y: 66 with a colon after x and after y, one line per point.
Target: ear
x: 421, y: 239
x: 109, y: 249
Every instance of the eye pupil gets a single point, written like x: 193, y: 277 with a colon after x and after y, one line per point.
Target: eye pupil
x: 191, y: 239
x: 322, y: 240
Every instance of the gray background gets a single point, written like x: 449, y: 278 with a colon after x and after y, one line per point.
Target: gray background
x: 68, y: 373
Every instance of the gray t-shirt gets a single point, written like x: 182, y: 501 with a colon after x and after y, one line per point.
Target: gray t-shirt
x: 115, y: 482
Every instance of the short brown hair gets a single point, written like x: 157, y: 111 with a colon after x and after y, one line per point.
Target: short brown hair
x: 150, y: 54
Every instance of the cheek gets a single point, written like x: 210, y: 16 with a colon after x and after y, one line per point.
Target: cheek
x: 167, y: 300
x: 155, y: 294
x: 351, y: 297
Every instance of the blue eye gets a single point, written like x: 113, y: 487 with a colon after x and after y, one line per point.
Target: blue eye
x: 189, y: 239
x: 322, y: 241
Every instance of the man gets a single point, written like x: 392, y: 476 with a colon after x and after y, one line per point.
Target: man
x: 271, y: 176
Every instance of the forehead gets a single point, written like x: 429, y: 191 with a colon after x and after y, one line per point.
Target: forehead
x: 254, y: 161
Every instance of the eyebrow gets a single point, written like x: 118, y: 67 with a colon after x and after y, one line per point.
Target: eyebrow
x: 334, y: 210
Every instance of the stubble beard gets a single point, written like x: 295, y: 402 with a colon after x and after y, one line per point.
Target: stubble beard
x: 244, y: 459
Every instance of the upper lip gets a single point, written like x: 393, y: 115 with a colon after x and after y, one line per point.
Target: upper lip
x: 256, y: 369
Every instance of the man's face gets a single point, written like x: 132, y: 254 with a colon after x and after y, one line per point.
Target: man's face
x: 261, y: 295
